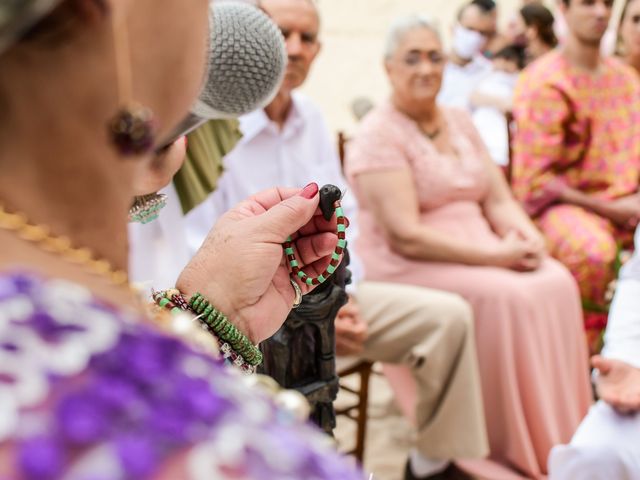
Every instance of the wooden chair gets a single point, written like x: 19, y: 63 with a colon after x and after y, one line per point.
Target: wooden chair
x: 511, y: 126
x: 342, y: 143
x: 358, y: 410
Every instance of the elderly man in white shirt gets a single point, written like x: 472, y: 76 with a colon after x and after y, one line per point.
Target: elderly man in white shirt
x: 606, y: 446
x: 467, y: 66
x: 430, y: 332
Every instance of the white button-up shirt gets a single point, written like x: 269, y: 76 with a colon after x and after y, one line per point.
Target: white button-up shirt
x: 458, y: 82
x: 303, y: 151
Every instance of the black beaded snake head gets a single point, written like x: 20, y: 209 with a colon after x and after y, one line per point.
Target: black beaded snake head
x: 329, y: 195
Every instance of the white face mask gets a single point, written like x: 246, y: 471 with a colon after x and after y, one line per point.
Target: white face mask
x: 467, y: 43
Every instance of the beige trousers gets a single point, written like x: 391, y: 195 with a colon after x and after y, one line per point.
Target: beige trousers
x: 431, y: 332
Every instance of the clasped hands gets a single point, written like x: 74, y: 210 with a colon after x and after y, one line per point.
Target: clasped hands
x: 521, y: 250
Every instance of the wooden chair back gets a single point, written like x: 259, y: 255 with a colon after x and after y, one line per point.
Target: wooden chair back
x: 511, y: 127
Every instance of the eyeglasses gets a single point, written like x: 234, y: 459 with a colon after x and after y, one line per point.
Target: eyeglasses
x: 414, y: 58
x: 306, y: 38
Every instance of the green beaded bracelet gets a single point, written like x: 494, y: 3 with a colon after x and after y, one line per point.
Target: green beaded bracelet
x: 336, y: 257
x: 237, y: 352
x: 224, y: 329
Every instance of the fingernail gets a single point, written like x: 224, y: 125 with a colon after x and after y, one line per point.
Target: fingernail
x: 309, y: 191
x: 186, y: 141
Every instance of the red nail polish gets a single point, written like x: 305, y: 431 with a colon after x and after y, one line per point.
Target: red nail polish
x: 309, y: 191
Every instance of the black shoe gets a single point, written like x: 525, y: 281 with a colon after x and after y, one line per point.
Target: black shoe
x: 454, y: 473
x: 450, y: 473
x: 408, y: 474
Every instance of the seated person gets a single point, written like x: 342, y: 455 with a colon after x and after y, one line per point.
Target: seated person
x: 607, y: 443
x: 576, y: 154
x: 92, y: 383
x: 629, y: 36
x: 563, y: 30
x: 532, y: 28
x: 436, y: 212
x: 493, y: 98
x: 288, y: 143
x: 467, y: 65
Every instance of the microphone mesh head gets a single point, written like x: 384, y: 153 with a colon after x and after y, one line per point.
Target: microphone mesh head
x: 16, y: 16
x: 246, y: 61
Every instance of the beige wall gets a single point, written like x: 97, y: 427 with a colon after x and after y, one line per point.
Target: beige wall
x: 352, y: 34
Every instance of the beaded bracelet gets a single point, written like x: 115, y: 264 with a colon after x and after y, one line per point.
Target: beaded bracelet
x: 174, y: 301
x: 296, y: 271
x: 164, y: 300
x: 224, y: 329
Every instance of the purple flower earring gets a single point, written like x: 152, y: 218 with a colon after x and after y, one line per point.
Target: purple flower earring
x: 132, y: 130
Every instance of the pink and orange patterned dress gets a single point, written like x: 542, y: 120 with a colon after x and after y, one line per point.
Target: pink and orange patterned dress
x: 581, y: 130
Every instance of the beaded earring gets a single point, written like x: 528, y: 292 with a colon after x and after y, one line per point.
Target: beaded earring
x: 330, y: 196
x: 132, y: 129
x: 146, y: 208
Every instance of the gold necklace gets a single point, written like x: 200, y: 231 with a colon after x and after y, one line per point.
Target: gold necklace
x: 40, y: 235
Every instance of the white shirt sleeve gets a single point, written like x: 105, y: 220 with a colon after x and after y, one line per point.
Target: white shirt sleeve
x: 622, y: 337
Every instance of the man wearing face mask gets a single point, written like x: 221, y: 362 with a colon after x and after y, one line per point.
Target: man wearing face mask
x: 467, y: 66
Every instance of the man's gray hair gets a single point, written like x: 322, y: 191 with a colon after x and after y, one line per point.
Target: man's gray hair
x: 401, y: 26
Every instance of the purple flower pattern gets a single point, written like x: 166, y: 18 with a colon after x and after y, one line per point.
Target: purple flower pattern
x: 137, y: 400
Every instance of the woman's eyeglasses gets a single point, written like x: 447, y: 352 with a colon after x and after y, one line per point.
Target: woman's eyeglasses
x: 414, y: 58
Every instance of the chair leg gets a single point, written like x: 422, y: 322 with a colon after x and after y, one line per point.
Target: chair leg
x: 363, y: 405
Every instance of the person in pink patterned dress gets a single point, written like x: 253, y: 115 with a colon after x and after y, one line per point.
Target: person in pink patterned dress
x: 437, y: 212
x: 576, y: 154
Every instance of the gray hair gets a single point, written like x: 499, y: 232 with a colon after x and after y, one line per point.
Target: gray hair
x: 401, y: 26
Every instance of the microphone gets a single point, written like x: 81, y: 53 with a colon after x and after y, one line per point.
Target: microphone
x: 17, y: 16
x: 247, y: 60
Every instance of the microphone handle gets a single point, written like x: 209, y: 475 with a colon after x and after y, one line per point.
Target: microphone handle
x: 190, y: 123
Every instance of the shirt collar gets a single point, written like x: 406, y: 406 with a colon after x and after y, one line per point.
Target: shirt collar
x: 257, y: 122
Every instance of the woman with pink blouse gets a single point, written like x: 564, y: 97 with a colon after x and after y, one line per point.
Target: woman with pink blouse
x: 436, y: 212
